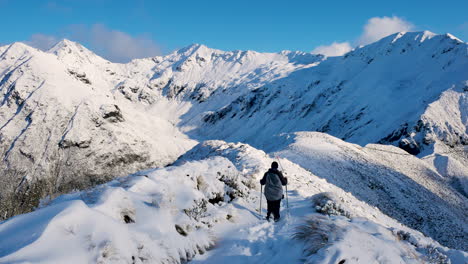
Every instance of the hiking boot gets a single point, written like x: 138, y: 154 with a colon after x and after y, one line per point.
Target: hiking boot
x: 277, y: 219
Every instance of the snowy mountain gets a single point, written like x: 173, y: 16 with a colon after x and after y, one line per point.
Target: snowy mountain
x: 382, y: 92
x: 408, y: 90
x: 64, y: 126
x: 70, y: 120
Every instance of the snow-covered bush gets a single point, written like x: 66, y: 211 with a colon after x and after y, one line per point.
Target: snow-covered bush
x: 198, y: 210
x: 328, y: 204
x: 160, y: 216
x: 429, y: 253
x: 234, y: 187
x: 433, y: 256
x: 316, y: 233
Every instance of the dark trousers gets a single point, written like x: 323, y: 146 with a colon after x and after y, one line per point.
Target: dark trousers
x: 273, y: 208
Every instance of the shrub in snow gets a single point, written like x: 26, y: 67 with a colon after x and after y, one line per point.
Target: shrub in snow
x: 429, y: 253
x: 433, y: 256
x: 198, y: 210
x: 406, y: 236
x: 234, y: 186
x: 316, y: 232
x: 326, y: 203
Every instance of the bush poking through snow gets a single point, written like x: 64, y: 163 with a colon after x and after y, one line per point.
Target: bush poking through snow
x: 433, y: 256
x: 316, y: 232
x: 326, y: 203
x: 198, y: 211
x: 430, y: 254
x: 234, y: 186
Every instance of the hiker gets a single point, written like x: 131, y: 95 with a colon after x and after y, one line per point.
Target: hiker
x: 273, y: 181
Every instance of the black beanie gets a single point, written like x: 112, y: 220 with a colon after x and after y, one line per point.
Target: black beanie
x: 274, y: 165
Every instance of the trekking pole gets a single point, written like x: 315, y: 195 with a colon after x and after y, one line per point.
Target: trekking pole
x: 261, y: 194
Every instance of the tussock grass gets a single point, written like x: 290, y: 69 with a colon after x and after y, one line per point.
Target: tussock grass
x: 316, y: 232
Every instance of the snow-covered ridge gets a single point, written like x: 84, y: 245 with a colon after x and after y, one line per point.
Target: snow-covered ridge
x: 211, y: 196
x: 197, y: 72
x: 382, y: 86
x: 3, y: 48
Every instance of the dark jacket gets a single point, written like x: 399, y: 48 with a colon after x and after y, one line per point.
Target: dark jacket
x: 273, y: 180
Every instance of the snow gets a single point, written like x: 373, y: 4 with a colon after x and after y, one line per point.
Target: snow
x: 386, y: 177
x: 82, y: 121
x: 92, y: 222
x: 53, y: 114
x: 358, y: 97
x: 134, y: 219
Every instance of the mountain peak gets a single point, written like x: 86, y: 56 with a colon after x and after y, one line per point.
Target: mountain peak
x: 419, y: 36
x: 448, y: 35
x: 17, y: 49
x: 401, y: 41
x: 68, y: 46
x: 73, y: 52
x: 194, y: 49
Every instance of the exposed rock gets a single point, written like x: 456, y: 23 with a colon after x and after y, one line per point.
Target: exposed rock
x: 112, y: 113
x: 410, y: 146
x: 80, y: 76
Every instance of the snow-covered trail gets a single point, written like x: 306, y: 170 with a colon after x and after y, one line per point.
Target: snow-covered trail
x: 344, y: 227
x: 259, y: 241
x: 203, y: 209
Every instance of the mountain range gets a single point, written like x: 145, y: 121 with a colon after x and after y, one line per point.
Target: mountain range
x: 71, y: 120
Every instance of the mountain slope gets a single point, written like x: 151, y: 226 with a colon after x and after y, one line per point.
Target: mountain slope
x: 408, y: 90
x: 82, y: 120
x: 211, y: 196
x: 388, y: 178
x: 367, y: 96
x: 62, y: 128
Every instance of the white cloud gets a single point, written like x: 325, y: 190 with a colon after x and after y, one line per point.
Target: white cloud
x: 335, y: 49
x: 375, y: 29
x: 42, y: 41
x: 379, y: 27
x: 114, y: 45
x: 120, y: 46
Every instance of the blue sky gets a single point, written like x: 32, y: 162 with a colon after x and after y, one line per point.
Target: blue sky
x: 158, y: 27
